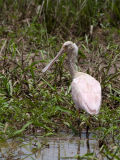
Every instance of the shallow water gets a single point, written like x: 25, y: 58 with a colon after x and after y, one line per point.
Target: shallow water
x: 51, y: 148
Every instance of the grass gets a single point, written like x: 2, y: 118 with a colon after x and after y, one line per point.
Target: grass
x: 32, y: 102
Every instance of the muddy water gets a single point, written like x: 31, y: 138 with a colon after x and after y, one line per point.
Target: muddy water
x: 52, y: 148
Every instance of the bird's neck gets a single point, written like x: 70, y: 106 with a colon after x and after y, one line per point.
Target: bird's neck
x: 72, y: 67
x: 72, y: 60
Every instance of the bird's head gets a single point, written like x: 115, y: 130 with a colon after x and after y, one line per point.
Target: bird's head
x: 68, y: 47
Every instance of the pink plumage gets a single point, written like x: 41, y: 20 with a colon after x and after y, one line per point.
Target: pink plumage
x: 86, y: 93
x: 86, y: 90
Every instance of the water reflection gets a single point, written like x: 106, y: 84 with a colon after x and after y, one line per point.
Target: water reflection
x: 51, y: 148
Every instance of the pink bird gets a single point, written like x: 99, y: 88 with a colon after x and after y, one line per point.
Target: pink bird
x: 86, y: 90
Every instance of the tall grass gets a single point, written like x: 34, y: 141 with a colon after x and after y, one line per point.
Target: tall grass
x: 31, y: 32
x: 74, y: 17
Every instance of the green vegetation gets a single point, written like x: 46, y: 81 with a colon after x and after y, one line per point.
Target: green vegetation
x: 31, y: 32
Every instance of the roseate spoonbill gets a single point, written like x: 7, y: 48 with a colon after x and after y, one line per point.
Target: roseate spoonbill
x: 86, y: 90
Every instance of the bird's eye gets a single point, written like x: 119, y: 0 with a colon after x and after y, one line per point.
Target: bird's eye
x: 66, y: 47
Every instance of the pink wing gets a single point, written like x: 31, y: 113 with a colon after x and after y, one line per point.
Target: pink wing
x: 86, y: 93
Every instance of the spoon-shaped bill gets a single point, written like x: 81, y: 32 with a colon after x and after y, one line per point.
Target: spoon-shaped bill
x: 52, y: 62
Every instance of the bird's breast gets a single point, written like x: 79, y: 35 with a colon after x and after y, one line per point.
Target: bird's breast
x: 86, y: 93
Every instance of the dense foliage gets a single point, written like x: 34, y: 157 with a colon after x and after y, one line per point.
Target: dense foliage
x: 31, y: 32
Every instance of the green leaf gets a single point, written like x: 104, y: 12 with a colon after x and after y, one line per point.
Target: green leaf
x: 49, y: 84
x: 22, y: 129
x: 81, y: 54
x: 63, y: 110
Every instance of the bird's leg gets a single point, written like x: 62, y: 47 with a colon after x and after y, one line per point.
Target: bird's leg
x: 87, y: 128
x: 87, y: 131
x: 88, y: 145
x: 79, y: 122
x: 87, y: 137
